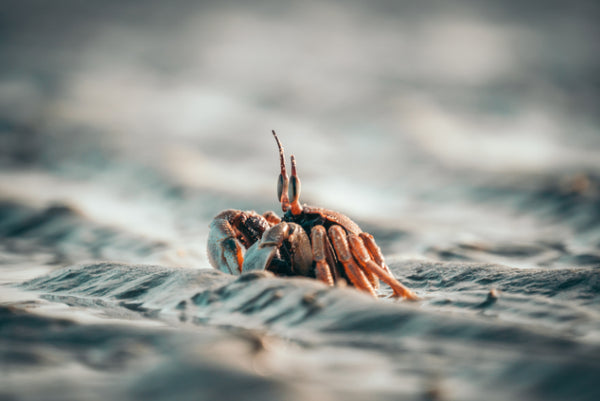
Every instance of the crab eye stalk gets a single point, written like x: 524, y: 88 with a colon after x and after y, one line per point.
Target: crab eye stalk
x: 283, y: 181
x: 295, y: 189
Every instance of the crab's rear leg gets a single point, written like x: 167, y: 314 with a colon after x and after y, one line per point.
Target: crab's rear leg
x: 374, y: 251
x: 361, y: 254
x: 353, y: 271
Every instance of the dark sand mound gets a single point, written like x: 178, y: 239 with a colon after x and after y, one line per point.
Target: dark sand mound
x: 457, y: 338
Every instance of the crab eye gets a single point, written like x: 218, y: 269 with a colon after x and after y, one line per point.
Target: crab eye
x: 294, y: 192
x: 280, y: 184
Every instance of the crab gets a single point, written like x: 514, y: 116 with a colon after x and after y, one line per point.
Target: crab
x: 307, y: 241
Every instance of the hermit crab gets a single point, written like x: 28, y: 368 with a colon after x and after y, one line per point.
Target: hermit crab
x: 307, y: 241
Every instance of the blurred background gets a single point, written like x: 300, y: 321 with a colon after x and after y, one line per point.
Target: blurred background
x: 445, y: 128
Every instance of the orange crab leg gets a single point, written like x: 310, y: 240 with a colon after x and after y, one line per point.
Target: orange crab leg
x: 374, y: 251
x: 354, y: 273
x: 318, y: 237
x: 331, y: 258
x: 361, y: 254
x: 370, y: 275
x: 272, y: 218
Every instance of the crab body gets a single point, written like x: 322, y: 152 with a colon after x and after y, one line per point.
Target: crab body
x: 308, y: 241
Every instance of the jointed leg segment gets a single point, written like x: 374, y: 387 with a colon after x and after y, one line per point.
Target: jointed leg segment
x: 354, y: 273
x: 374, y: 251
x: 323, y: 271
x: 360, y: 252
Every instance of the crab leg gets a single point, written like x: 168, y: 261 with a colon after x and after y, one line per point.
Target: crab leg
x: 374, y: 251
x: 354, y: 273
x: 338, y: 269
x: 318, y: 236
x: 373, y: 279
x: 272, y: 218
x: 370, y: 276
x: 362, y: 255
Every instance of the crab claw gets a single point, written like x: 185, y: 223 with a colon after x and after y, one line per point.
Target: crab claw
x: 261, y: 254
x: 224, y: 249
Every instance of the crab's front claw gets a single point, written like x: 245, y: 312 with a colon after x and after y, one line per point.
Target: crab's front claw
x: 224, y: 249
x: 258, y: 258
x: 261, y: 254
